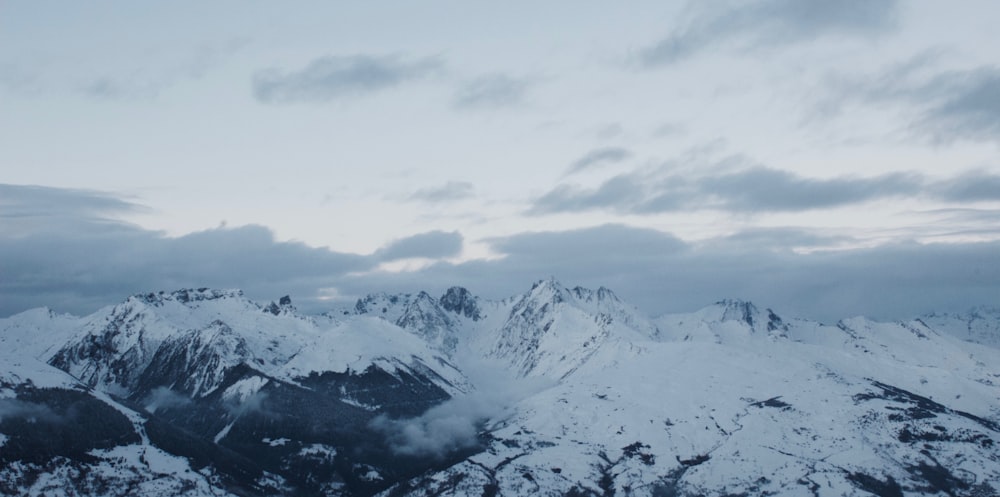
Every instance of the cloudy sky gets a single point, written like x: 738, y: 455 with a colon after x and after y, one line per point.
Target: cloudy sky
x: 824, y: 159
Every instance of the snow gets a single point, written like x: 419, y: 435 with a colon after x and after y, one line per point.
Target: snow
x: 276, y: 442
x: 223, y: 432
x: 319, y: 451
x: 122, y: 470
x: 355, y: 403
x: 243, y: 389
x: 695, y: 402
x: 212, y: 323
x: 756, y: 393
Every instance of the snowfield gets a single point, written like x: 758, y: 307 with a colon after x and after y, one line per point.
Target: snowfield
x: 557, y: 391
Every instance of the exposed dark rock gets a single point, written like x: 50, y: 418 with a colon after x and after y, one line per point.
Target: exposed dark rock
x: 461, y: 301
x: 871, y: 484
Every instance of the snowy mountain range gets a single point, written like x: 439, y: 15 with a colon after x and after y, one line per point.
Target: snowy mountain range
x: 557, y: 391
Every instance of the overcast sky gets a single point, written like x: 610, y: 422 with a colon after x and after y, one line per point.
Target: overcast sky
x: 826, y: 159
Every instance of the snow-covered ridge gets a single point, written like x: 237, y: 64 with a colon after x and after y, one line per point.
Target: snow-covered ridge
x: 735, y: 398
x: 204, y: 333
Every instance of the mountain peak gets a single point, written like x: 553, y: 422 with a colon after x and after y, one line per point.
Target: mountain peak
x: 186, y: 295
x: 600, y: 295
x: 460, y: 301
x: 548, y: 289
x: 738, y: 310
x: 284, y: 305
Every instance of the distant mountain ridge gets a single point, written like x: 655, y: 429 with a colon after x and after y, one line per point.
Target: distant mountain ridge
x: 230, y: 396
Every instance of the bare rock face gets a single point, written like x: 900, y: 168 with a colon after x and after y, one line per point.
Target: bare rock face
x: 459, y: 301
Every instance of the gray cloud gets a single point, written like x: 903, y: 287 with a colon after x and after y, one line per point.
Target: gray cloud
x: 757, y: 189
x: 164, y: 398
x: 252, y: 404
x: 28, y: 209
x: 617, y: 194
x: 433, y: 245
x: 64, y: 249
x: 108, y: 88
x: 669, y: 129
x: 961, y: 105
x: 779, y: 239
x: 456, y: 423
x: 969, y: 187
x: 768, y: 23
x: 661, y: 274
x: 599, y: 157
x: 495, y: 90
x: 953, y: 216
x: 442, y: 430
x: 331, y: 77
x: 145, y: 78
x: 99, y: 262
x: 449, y: 192
x: 14, y: 408
x: 940, y: 106
x: 616, y: 242
x: 764, y: 189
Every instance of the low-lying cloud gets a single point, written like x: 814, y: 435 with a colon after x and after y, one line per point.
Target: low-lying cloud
x: 660, y: 273
x: 431, y: 245
x: 64, y: 249
x: 164, y: 398
x: 31, y: 411
x: 79, y: 259
x: 456, y: 424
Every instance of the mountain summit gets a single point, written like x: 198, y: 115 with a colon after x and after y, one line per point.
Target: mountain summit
x: 555, y: 391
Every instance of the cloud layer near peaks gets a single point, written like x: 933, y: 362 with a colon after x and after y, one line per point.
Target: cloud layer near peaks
x: 63, y: 249
x: 455, y: 424
x: 431, y: 245
x: 661, y: 273
x: 76, y: 259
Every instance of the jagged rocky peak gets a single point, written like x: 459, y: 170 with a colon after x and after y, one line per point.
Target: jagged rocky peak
x: 549, y: 290
x: 186, y: 295
x: 599, y: 295
x: 284, y: 304
x: 460, y: 301
x: 744, y: 311
x: 375, y: 303
x: 775, y: 323
x: 739, y: 310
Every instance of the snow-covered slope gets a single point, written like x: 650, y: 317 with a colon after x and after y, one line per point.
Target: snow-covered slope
x: 203, y: 333
x: 58, y: 437
x: 567, y: 391
x: 548, y: 331
x: 218, y: 367
x: 980, y: 325
x: 745, y: 412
